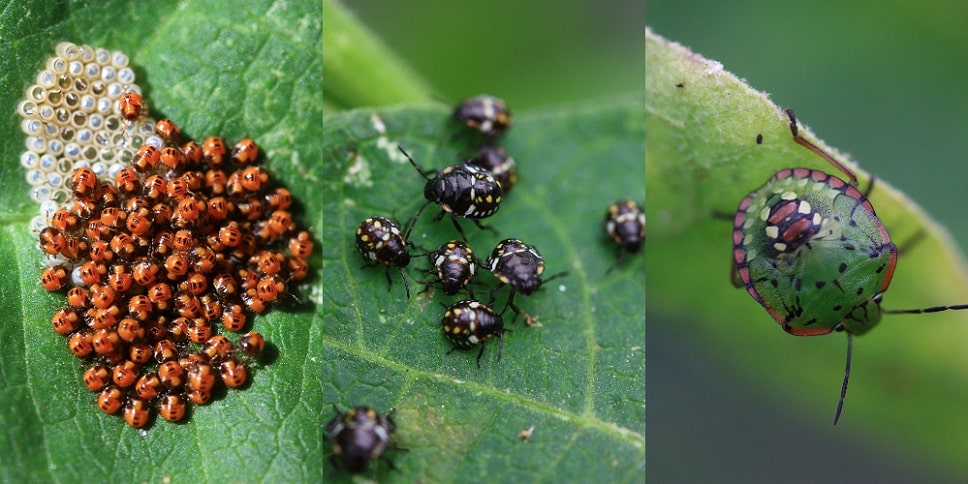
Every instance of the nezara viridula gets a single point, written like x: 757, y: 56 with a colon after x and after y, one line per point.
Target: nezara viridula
x: 485, y: 114
x: 358, y: 436
x: 463, y: 190
x: 810, y: 249
x: 519, y: 266
x: 454, y: 265
x: 380, y: 241
x: 494, y: 159
x: 625, y: 224
x: 469, y: 323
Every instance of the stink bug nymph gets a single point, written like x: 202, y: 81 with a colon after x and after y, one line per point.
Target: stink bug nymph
x: 358, y: 436
x: 486, y: 114
x: 454, y: 265
x: 462, y: 190
x: 810, y: 249
x: 625, y: 224
x: 380, y: 241
x: 494, y: 159
x: 519, y: 266
x: 469, y: 323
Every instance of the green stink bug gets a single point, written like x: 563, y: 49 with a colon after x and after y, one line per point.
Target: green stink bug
x: 810, y: 249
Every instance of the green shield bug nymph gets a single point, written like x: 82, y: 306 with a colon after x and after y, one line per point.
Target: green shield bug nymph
x: 810, y: 249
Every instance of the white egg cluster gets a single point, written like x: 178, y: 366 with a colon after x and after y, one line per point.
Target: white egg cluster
x: 71, y: 117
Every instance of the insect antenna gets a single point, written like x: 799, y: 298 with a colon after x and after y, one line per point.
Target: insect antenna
x: 935, y: 309
x: 843, y: 390
x: 414, y: 163
x: 816, y: 149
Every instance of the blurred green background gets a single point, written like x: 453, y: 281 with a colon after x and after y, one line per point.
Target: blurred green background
x: 529, y: 53
x: 882, y: 81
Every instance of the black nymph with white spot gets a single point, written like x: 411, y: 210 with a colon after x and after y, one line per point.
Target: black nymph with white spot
x: 625, y: 224
x: 485, y: 114
x: 519, y: 266
x: 494, y: 159
x: 469, y: 323
x: 380, y: 241
x: 463, y: 191
x: 358, y: 436
x: 454, y: 265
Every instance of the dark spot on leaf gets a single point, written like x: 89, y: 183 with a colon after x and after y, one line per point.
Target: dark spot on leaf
x: 860, y: 290
x: 821, y: 284
x: 842, y: 268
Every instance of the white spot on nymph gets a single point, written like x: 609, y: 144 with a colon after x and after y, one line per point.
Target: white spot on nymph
x: 772, y: 231
x: 490, y: 110
x: 804, y: 207
x: 817, y: 218
x: 780, y: 246
x: 788, y: 196
x: 765, y: 213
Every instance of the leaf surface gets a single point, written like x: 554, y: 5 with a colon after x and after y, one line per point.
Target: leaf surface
x: 213, y: 68
x: 578, y: 379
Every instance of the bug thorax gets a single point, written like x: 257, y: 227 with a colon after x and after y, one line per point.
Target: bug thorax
x: 790, y: 222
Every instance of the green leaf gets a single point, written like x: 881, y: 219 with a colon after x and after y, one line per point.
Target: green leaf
x: 579, y: 379
x: 702, y: 159
x: 214, y: 68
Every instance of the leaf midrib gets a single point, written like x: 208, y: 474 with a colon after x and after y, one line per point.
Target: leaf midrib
x: 415, y: 373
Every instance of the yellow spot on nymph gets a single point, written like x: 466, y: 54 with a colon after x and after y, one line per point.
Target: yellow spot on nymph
x: 772, y: 231
x: 817, y: 218
x: 765, y: 213
x: 780, y: 246
x: 788, y: 196
x: 804, y: 207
